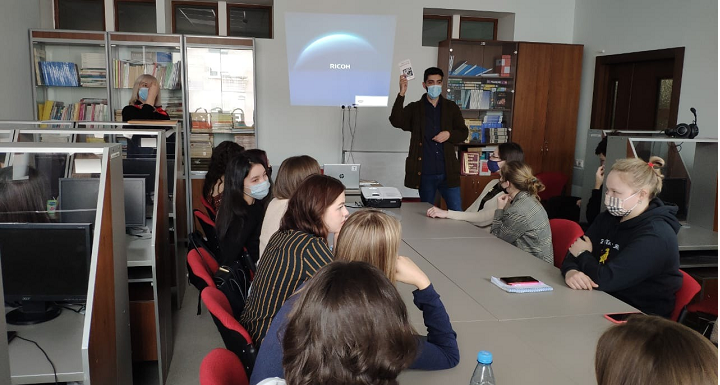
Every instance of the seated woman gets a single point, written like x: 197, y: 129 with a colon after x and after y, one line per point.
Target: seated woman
x: 374, y: 237
x: 292, y: 172
x: 145, y: 101
x: 365, y: 336
x: 520, y: 219
x: 213, y: 185
x: 481, y: 212
x: 23, y: 200
x: 239, y: 219
x: 296, y: 251
x: 653, y: 350
x: 631, y: 250
x: 262, y: 155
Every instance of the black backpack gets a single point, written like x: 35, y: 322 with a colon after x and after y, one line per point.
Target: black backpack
x: 234, y: 281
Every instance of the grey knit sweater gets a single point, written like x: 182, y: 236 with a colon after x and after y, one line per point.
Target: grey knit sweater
x: 524, y: 224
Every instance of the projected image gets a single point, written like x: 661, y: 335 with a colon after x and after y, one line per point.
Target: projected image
x: 338, y: 60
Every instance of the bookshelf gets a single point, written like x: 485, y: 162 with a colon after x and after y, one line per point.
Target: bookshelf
x: 69, y: 75
x: 134, y: 54
x: 531, y: 97
x: 220, y: 78
x: 221, y: 96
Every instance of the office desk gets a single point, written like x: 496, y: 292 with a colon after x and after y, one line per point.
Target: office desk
x: 544, y: 338
x: 558, y: 351
x: 61, y: 338
x: 471, y: 262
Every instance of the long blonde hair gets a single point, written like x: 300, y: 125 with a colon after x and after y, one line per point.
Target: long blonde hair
x: 521, y: 176
x: 639, y: 174
x: 370, y: 236
x: 653, y: 350
x: 136, y: 88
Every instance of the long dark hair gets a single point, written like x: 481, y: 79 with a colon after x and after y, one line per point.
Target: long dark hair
x: 219, y: 159
x: 349, y: 326
x: 308, y: 204
x: 23, y: 200
x: 234, y: 207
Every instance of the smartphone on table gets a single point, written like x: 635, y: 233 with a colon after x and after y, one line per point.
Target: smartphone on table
x: 518, y: 281
x: 619, y: 318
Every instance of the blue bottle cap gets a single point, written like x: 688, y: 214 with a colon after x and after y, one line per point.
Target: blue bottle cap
x: 484, y: 357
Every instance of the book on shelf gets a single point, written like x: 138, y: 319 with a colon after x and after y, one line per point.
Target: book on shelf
x: 38, y: 56
x: 474, y: 95
x: 85, y: 109
x: 467, y: 69
x: 246, y: 140
x: 127, y: 71
x: 61, y: 74
x: 470, y: 164
x: 502, y: 66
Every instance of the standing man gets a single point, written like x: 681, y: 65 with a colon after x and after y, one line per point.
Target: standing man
x: 435, y: 123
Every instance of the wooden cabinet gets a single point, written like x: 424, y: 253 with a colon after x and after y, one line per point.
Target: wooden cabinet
x: 546, y: 105
x: 542, y: 107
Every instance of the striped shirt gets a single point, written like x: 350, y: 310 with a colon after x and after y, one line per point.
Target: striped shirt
x: 524, y: 223
x: 291, y: 258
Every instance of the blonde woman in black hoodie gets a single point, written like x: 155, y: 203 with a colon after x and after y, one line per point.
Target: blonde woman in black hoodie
x: 631, y: 250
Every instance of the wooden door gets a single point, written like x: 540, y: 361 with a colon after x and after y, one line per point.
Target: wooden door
x: 562, y: 109
x: 531, y: 100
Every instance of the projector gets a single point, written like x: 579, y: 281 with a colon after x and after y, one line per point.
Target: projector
x: 383, y: 197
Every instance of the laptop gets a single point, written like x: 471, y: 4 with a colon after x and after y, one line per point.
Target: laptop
x: 348, y: 174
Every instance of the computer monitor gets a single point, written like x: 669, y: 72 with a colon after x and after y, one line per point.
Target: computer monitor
x: 43, y: 263
x: 52, y: 167
x: 141, y: 167
x: 82, y: 194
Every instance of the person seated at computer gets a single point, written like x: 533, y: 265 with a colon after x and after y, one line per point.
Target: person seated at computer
x: 296, y: 251
x: 145, y: 101
x: 481, y: 212
x: 348, y: 326
x: 214, y: 183
x: 520, y: 218
x: 240, y: 217
x: 374, y: 237
x: 291, y: 174
x: 631, y: 250
x: 653, y: 350
x: 23, y: 200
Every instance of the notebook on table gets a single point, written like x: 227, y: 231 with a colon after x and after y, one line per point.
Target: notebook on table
x: 525, y: 288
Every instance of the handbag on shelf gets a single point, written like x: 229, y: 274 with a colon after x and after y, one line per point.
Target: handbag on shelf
x: 201, y: 120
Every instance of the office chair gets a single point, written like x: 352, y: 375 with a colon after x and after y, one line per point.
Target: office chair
x: 208, y: 227
x: 201, y: 269
x: 554, y: 184
x: 222, y: 367
x: 687, y: 292
x: 564, y: 234
x: 236, y: 338
x: 209, y: 208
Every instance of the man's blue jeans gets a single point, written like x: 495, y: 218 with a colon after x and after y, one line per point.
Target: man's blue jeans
x: 431, y: 183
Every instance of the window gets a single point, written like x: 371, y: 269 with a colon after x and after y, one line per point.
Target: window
x: 194, y: 18
x: 86, y: 15
x: 436, y: 29
x: 135, y: 16
x: 250, y: 20
x: 477, y: 28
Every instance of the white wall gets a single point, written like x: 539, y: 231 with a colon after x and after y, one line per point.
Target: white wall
x: 621, y: 26
x: 15, y: 20
x: 287, y: 130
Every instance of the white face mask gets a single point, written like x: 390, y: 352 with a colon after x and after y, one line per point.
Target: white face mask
x: 616, y: 206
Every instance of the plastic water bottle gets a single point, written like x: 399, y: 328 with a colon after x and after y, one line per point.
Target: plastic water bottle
x: 483, y: 374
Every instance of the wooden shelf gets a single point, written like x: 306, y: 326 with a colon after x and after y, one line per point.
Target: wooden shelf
x: 480, y: 77
x: 472, y: 144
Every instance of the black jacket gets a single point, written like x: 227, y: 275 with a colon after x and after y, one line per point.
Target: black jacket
x: 243, y: 233
x: 412, y: 118
x: 140, y: 111
x: 636, y: 261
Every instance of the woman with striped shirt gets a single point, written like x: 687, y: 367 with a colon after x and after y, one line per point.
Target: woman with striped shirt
x: 296, y: 251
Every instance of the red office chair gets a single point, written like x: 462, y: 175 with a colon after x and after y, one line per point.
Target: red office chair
x: 208, y: 227
x: 236, y: 338
x: 222, y: 367
x: 564, y: 234
x: 687, y: 291
x: 554, y: 184
x: 202, y: 266
x: 210, y: 209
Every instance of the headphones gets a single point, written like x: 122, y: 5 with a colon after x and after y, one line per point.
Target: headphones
x: 684, y: 130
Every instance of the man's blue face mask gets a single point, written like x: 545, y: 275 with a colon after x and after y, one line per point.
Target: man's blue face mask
x: 434, y: 91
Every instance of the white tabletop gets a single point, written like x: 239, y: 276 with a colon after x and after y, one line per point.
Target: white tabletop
x: 543, y: 338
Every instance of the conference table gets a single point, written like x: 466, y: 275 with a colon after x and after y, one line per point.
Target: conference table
x: 535, y: 338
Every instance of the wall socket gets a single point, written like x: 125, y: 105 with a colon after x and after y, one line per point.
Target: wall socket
x: 579, y: 163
